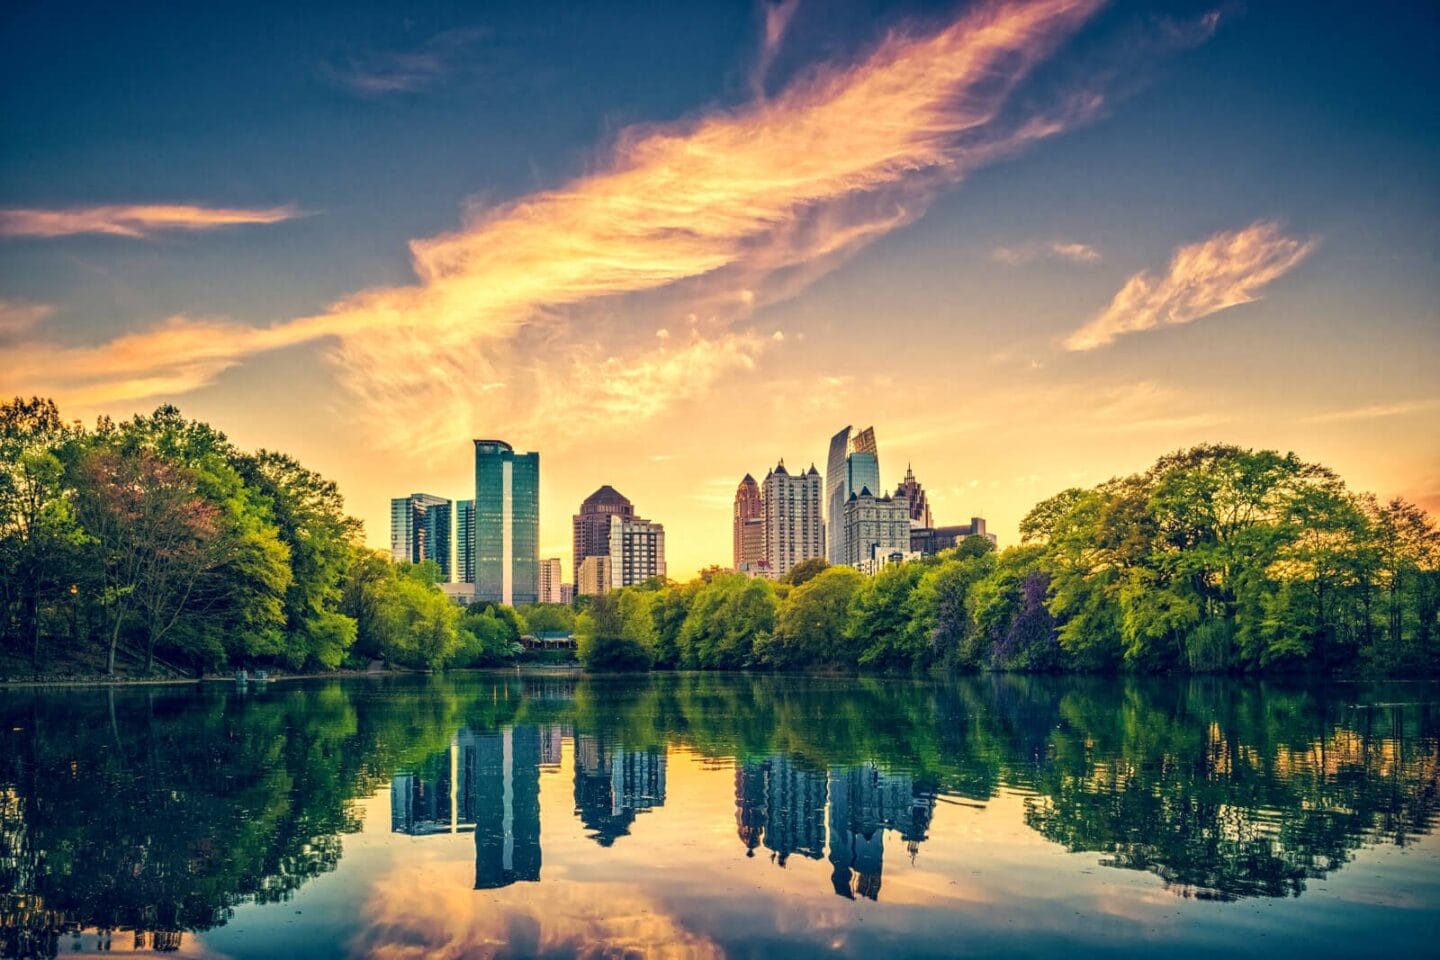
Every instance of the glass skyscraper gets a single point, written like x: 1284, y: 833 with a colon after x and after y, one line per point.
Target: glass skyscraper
x: 420, y: 530
x: 465, y: 541
x: 507, y: 524
x: 853, y: 465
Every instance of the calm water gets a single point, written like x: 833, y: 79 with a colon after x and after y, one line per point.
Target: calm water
x: 707, y: 816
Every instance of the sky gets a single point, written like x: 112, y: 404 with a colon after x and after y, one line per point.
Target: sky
x: 1035, y: 243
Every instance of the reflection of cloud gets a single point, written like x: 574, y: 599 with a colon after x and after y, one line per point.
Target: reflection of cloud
x: 443, y: 920
x: 1375, y: 411
x: 418, y: 68
x: 712, y: 217
x: 1228, y: 269
x: 132, y: 220
x: 1052, y: 250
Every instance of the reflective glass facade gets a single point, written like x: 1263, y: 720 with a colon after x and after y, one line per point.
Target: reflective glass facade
x: 507, y: 524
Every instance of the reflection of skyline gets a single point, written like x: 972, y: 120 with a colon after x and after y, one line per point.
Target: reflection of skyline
x: 612, y: 785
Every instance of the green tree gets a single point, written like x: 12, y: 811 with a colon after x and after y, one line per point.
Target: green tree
x: 812, y: 621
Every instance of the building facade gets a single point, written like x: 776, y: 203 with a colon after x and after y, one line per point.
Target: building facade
x: 853, y: 465
x: 465, y: 541
x: 507, y: 524
x: 913, y: 492
x: 637, y: 551
x: 591, y: 526
x: 929, y: 541
x: 794, y: 528
x: 593, y: 577
x: 748, y: 525
x: 875, y: 527
x: 420, y: 527
x: 550, y: 580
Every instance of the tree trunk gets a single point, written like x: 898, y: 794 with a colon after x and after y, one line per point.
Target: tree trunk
x: 34, y: 612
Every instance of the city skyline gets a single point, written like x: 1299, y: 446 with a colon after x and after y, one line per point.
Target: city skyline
x: 665, y: 246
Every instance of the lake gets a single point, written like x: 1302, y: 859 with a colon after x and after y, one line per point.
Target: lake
x: 698, y: 815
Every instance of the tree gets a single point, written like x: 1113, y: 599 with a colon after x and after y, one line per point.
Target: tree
x: 811, y: 625
x: 805, y: 571
x: 878, y: 633
x: 601, y: 641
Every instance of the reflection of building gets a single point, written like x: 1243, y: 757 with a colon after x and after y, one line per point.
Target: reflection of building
x: 864, y: 802
x: 488, y: 783
x: 931, y: 540
x: 794, y: 527
x: 853, y: 465
x: 782, y: 805
x: 613, y: 785
x: 550, y: 580
x: 507, y: 793
x: 591, y: 526
x: 507, y: 524
x: 748, y: 525
x: 420, y: 530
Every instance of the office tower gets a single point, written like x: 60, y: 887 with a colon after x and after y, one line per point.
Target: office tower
x: 567, y: 593
x: 931, y: 540
x: 420, y: 530
x: 637, y: 551
x: 592, y: 524
x: 550, y: 580
x: 914, y: 494
x: 794, y: 530
x: 465, y: 541
x: 875, y: 529
x: 853, y: 465
x: 507, y: 524
x: 749, y: 525
x: 795, y: 810
x: 593, y: 577
x: 507, y: 806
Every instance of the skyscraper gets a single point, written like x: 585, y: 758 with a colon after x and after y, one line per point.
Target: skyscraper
x: 749, y: 525
x: 550, y: 580
x: 507, y: 524
x: 592, y: 524
x: 875, y: 528
x: 794, y: 530
x: 420, y: 530
x: 507, y: 806
x: 465, y: 541
x: 853, y: 465
x: 914, y: 494
x: 637, y: 550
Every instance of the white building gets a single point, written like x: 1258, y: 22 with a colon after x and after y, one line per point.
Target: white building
x: 637, y: 550
x: 794, y: 522
x: 550, y: 581
x: 876, y: 528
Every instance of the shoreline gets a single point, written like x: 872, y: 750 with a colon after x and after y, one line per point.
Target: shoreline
x: 104, y: 681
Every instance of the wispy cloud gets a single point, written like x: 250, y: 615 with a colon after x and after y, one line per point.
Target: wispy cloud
x: 19, y: 317
x: 1030, y: 251
x: 706, y: 219
x: 1228, y: 269
x: 1375, y: 411
x: 778, y: 14
x: 133, y: 220
x: 420, y: 67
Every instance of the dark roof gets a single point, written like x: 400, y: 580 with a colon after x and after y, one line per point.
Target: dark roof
x: 605, y: 496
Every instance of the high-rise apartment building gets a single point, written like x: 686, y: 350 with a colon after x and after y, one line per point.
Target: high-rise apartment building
x: 592, y: 525
x: 507, y: 524
x: 749, y: 525
x: 420, y: 530
x: 637, y: 551
x: 465, y: 541
x: 550, y: 580
x: 794, y: 530
x: 914, y: 494
x: 593, y: 577
x: 853, y: 465
x: 875, y: 528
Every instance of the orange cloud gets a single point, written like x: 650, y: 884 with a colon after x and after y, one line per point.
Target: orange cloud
x: 135, y: 220
x: 18, y: 317
x: 1053, y: 249
x: 1226, y: 270
x: 707, y: 219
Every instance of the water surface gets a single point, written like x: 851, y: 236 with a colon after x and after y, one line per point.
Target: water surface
x: 709, y: 816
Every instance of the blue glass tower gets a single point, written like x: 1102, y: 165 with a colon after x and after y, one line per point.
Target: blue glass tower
x: 507, y: 524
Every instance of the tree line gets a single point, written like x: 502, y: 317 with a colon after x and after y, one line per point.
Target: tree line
x: 156, y: 541
x: 1215, y: 559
